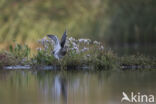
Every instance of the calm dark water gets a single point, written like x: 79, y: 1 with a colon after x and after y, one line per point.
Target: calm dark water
x: 52, y: 87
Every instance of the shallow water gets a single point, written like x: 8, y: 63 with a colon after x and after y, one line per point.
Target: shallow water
x: 59, y: 87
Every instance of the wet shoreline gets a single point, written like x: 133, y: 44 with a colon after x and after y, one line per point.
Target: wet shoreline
x: 85, y: 67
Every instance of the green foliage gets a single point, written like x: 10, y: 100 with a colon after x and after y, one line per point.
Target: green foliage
x: 141, y: 60
x: 105, y: 60
x: 72, y: 60
x: 98, y: 60
x: 42, y: 58
x: 122, y: 21
x: 20, y: 51
x: 80, y: 52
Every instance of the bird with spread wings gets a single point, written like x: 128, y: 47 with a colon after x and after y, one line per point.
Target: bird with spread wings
x: 59, y: 46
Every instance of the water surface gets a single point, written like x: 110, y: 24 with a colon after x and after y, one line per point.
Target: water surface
x: 61, y: 87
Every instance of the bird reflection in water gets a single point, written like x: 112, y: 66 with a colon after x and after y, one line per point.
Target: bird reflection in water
x: 60, y: 88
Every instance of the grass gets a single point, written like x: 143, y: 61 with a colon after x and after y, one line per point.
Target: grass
x: 81, y: 52
x: 20, y: 51
x: 28, y: 20
x: 137, y: 60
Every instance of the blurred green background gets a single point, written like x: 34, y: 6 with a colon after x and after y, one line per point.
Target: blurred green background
x: 114, y: 22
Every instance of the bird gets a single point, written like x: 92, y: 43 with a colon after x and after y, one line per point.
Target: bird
x: 60, y: 49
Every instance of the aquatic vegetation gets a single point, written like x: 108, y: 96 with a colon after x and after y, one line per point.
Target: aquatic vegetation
x: 137, y: 60
x: 20, y: 51
x: 80, y: 53
x: 17, y: 54
x: 7, y: 58
x: 44, y: 53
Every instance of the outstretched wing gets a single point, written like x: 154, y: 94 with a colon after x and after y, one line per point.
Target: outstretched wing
x: 63, y: 39
x: 55, y: 39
